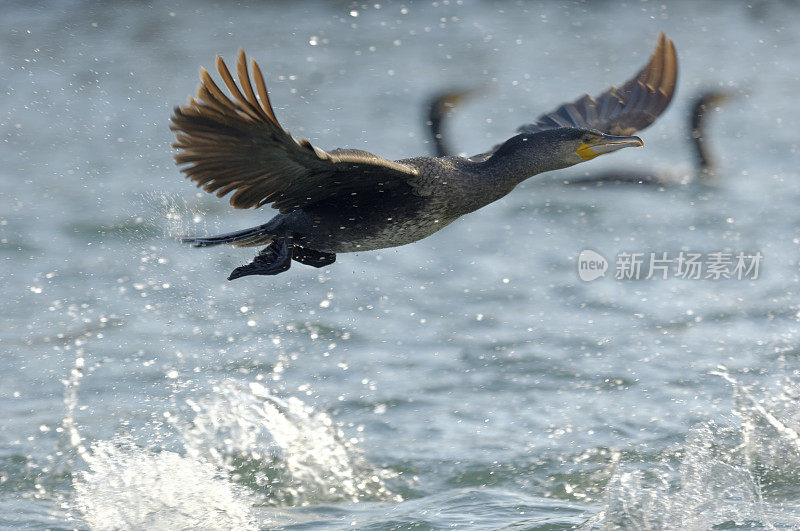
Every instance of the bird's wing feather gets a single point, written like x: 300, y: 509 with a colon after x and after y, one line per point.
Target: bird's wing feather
x: 624, y: 110
x: 237, y: 145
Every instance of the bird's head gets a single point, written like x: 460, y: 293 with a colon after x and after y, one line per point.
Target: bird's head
x: 566, y: 146
x: 704, y: 103
x: 714, y: 98
x: 591, y: 144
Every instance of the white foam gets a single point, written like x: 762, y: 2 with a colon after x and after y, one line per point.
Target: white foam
x: 295, y: 453
x: 127, y: 487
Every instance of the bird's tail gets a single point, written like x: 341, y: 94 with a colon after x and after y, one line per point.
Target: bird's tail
x: 252, y: 237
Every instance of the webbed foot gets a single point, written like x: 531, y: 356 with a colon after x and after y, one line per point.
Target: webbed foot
x: 273, y: 259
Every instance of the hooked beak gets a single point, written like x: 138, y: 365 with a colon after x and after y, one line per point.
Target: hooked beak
x: 607, y: 144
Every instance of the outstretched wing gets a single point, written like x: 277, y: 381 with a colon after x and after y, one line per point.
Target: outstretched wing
x: 623, y: 110
x: 237, y: 145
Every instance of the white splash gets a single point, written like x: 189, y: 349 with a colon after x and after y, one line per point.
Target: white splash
x: 127, y: 487
x: 244, y: 449
x: 291, y: 451
x: 770, y: 426
x: 68, y: 425
x: 708, y: 490
x: 721, y: 472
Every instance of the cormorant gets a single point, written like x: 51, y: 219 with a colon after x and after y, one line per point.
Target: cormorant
x: 707, y: 100
x: 348, y: 200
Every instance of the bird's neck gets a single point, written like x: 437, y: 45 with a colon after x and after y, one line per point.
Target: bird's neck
x: 499, y: 175
x: 508, y: 168
x: 704, y: 161
x: 439, y: 144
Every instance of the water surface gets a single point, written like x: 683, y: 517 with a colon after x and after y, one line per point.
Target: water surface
x: 470, y: 379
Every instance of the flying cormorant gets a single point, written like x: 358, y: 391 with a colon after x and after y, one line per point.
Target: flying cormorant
x: 348, y: 200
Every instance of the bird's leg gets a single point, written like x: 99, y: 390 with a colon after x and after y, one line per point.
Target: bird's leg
x: 312, y: 257
x: 273, y: 259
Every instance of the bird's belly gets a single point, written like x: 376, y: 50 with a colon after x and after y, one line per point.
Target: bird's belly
x: 340, y: 234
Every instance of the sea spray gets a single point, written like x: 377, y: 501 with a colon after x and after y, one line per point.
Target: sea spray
x: 293, y: 453
x: 128, y: 487
x: 720, y: 474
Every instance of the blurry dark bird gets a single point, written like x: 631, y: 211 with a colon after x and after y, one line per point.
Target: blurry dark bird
x: 439, y: 109
x: 348, y: 200
x: 708, y: 100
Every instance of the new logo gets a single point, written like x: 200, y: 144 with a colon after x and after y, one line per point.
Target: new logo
x: 591, y: 265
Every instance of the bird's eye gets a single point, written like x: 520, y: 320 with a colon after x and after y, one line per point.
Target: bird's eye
x: 586, y: 139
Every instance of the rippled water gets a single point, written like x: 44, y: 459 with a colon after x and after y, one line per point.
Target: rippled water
x: 470, y: 379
